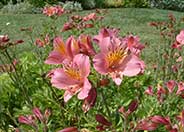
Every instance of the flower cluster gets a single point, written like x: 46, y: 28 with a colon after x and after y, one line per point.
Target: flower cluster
x: 53, y: 11
x: 81, y: 22
x: 43, y: 42
x: 32, y: 120
x: 169, y: 88
x: 5, y: 42
x: 118, y: 57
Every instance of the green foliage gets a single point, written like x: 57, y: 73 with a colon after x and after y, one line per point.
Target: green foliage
x: 136, y: 3
x: 114, y: 3
x: 1, y: 5
x: 177, y: 5
x: 88, y: 4
x: 42, y: 3
x: 19, y: 8
x: 72, y: 6
x: 100, y: 3
x: 122, y: 3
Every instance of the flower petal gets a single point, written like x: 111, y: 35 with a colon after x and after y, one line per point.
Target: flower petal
x: 67, y: 96
x: 85, y: 90
x: 99, y: 63
x: 132, y: 66
x: 60, y: 80
x: 83, y: 63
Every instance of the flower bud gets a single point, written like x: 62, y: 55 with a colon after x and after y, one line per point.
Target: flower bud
x: 69, y: 129
x: 38, y: 114
x: 101, y: 119
x: 90, y: 100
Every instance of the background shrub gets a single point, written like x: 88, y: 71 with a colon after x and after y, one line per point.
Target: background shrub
x: 22, y: 7
x: 100, y: 3
x: 136, y: 3
x: 114, y: 3
x: 88, y: 4
x: 1, y: 5
x: 71, y: 5
x: 177, y: 5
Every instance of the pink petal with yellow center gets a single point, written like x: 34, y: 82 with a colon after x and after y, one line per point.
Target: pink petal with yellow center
x: 59, y: 53
x: 61, y: 80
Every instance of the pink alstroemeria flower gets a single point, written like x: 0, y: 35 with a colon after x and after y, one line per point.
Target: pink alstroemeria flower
x: 115, y: 60
x: 67, y: 26
x: 149, y: 91
x: 133, y: 44
x: 29, y: 120
x: 106, y: 32
x: 37, y: 112
x: 91, y: 16
x: 170, y: 85
x: 180, y: 37
x: 147, y: 125
x: 49, y: 11
x: 180, y: 88
x: 85, y: 45
x: 59, y: 10
x: 73, y: 77
x: 42, y: 43
x: 63, y: 52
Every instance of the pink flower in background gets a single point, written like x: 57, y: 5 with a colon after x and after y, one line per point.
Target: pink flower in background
x: 146, y: 124
x: 59, y: 10
x: 180, y: 37
x: 91, y: 16
x: 170, y: 85
x: 73, y: 77
x: 29, y: 120
x: 85, y: 45
x: 67, y: 26
x: 133, y: 44
x: 53, y: 10
x: 161, y: 92
x: 106, y: 32
x: 180, y: 88
x: 4, y: 38
x: 39, y: 42
x: 115, y: 60
x: 176, y: 45
x: 49, y: 11
x: 149, y: 91
x: 38, y: 114
x: 44, y: 42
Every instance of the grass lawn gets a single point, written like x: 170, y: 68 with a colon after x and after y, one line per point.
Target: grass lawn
x: 127, y: 19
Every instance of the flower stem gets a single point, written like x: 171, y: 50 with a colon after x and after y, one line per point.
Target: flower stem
x: 105, y: 103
